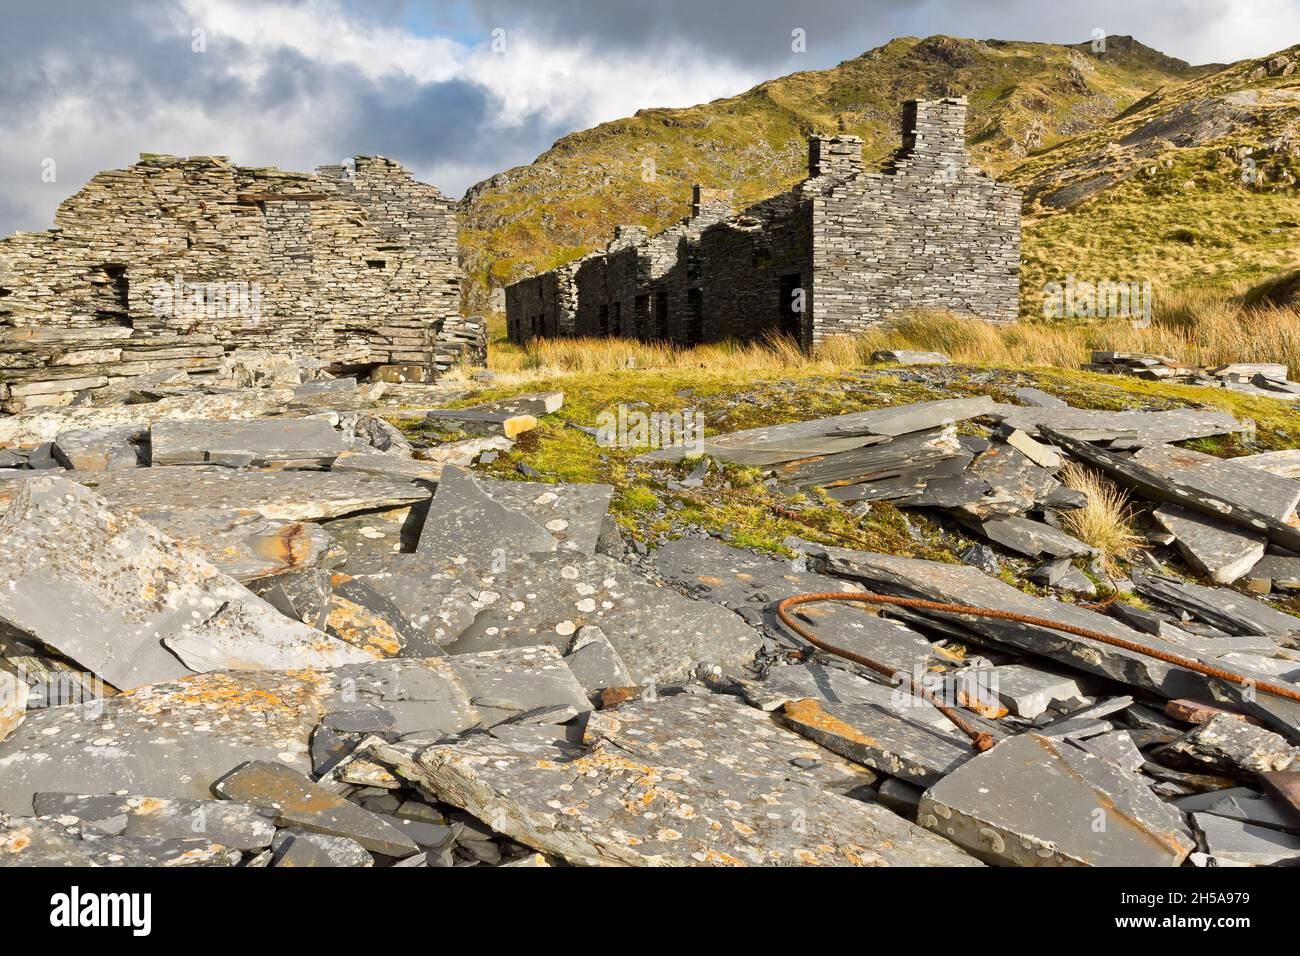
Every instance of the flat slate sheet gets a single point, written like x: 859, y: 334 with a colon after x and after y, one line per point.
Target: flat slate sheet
x: 241, y: 443
x: 1147, y: 428
x: 774, y: 444
x: 1259, y: 490
x: 288, y: 495
x: 128, y: 604
x: 678, y: 781
x: 1032, y: 801
x: 174, y: 739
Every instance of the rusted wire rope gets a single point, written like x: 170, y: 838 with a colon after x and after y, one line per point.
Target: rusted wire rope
x: 982, y: 740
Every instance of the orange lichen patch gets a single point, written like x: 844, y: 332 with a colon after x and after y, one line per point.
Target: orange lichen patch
x: 150, y: 805
x: 983, y: 705
x: 710, y: 580
x: 362, y: 628
x: 238, y: 696
x: 613, y: 696
x: 290, y: 546
x: 16, y: 842
x: 810, y: 714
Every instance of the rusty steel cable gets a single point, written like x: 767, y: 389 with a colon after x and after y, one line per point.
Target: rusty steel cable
x: 982, y: 740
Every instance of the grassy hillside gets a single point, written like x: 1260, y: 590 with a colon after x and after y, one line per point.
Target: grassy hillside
x: 1025, y: 98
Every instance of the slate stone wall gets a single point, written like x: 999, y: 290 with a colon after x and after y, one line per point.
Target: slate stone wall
x: 173, y: 262
x: 853, y: 248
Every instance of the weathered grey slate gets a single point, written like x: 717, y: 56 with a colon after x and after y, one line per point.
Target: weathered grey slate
x: 1032, y: 538
x: 536, y: 404
x: 97, y: 449
x: 879, y: 739
x: 388, y: 466
x: 1234, y: 843
x: 1037, y: 398
x: 1161, y: 488
x: 485, y: 423
x: 1031, y: 801
x: 1174, y: 425
x: 34, y: 427
x: 234, y: 825
x: 1228, y: 744
x: 241, y: 543
x: 1279, y: 571
x: 299, y: 802
x: 289, y: 495
x: 752, y: 584
x: 1015, y: 483
x: 238, y: 444
x: 1218, y: 549
x: 909, y: 357
x: 1117, y: 747
x: 832, y: 685
x: 172, y: 740
x: 32, y: 841
x: 506, y: 683
x: 465, y: 521
x: 116, y: 596
x: 572, y: 513
x: 1224, y: 479
x: 299, y: 848
x: 545, y: 598
x: 1284, y: 463
x: 594, y: 662
x: 774, y: 444
x: 1028, y: 691
x: 1224, y: 608
x: 917, y: 452
x: 911, y: 577
x: 14, y: 694
x: 677, y: 781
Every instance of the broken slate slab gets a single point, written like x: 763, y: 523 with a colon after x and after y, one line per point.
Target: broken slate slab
x: 98, y: 449
x: 1234, y: 843
x: 1226, y: 744
x: 1173, y: 489
x: 298, y: 802
x: 1279, y: 571
x: 465, y: 521
x: 45, y: 842
x: 753, y: 584
x: 1284, y: 463
x: 234, y: 825
x: 309, y: 441
x: 1032, y: 538
x: 1117, y: 747
x: 507, y: 683
x: 1031, y: 801
x: 1224, y: 479
x: 906, y: 357
x: 678, y: 781
x: 1218, y: 549
x: 774, y: 444
x: 242, y: 543
x: 287, y: 495
x: 173, y: 739
x: 594, y: 662
x: 912, y: 577
x: 31, y: 428
x: 295, y: 847
x: 544, y: 599
x: 1146, y: 428
x: 572, y: 513
x: 1029, y: 691
x: 1224, y: 608
x: 879, y: 739
x: 108, y: 591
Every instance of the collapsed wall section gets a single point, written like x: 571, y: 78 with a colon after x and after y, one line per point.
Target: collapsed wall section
x: 174, y: 262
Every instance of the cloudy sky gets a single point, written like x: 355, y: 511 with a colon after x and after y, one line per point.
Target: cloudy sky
x: 461, y: 89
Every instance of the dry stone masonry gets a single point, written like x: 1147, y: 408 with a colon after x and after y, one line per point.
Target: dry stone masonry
x: 843, y: 251
x: 173, y: 263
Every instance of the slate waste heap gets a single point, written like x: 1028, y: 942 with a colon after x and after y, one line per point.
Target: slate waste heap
x: 251, y: 623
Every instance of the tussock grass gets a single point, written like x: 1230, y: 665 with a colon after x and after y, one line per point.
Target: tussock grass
x: 1200, y: 326
x: 1106, y: 521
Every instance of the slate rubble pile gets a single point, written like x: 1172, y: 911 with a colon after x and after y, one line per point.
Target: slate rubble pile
x: 1263, y: 379
x: 277, y: 632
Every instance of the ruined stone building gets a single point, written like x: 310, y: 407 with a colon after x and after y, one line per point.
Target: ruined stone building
x: 172, y: 263
x: 843, y: 251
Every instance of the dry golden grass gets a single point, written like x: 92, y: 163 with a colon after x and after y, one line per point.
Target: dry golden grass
x: 1202, y: 327
x: 1106, y: 521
